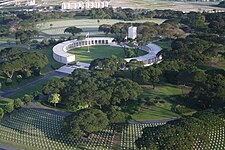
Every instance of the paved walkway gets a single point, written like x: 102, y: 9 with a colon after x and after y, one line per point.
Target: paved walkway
x: 8, y: 147
x: 39, y: 107
x: 24, y: 87
x: 69, y: 69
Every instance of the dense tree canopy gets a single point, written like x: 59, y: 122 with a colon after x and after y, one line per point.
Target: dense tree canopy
x: 209, y: 92
x: 25, y: 36
x: 15, y: 61
x: 99, y: 90
x: 85, y: 122
x: 181, y: 134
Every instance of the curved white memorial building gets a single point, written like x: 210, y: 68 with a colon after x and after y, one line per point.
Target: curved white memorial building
x: 60, y: 50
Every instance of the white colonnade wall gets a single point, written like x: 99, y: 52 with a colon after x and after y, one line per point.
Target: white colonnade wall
x: 60, y: 50
x: 61, y: 55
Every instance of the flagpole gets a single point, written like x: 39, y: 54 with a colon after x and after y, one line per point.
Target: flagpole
x: 88, y: 42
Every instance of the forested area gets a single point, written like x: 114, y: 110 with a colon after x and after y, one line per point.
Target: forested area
x: 182, y: 65
x: 21, y: 64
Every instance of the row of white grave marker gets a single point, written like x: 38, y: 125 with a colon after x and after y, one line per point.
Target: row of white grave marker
x: 41, y: 130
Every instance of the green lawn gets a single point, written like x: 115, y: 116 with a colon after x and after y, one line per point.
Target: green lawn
x: 100, y: 51
x: 36, y: 87
x: 16, y: 84
x: 164, y: 92
x: 164, y: 43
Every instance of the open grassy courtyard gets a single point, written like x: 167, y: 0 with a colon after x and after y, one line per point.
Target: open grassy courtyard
x: 100, y: 51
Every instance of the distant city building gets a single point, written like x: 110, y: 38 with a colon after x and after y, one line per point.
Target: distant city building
x: 30, y: 2
x: 84, y: 5
x: 18, y: 2
x: 132, y: 32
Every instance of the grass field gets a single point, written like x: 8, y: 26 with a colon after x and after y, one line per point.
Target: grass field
x: 164, y: 92
x: 16, y: 84
x: 88, y: 25
x: 31, y: 89
x: 164, y: 43
x: 99, y: 51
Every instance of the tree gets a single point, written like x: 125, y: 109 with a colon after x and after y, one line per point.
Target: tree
x: 73, y: 30
x: 36, y: 95
x: 118, y: 28
x: 123, y: 91
x: 181, y: 134
x: 44, y: 43
x: 130, y: 53
x: 22, y: 61
x: 102, y: 97
x: 27, y: 99
x: 9, y: 68
x: 54, y: 98
x: 105, y: 28
x: 150, y: 74
x: 85, y: 122
x: 108, y: 65
x: 209, y: 93
x: 1, y: 114
x: 25, y: 36
x: 9, y: 108
x: 18, y: 104
x: 132, y: 66
x: 117, y: 117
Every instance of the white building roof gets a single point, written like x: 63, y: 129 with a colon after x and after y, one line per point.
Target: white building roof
x: 60, y: 49
x: 154, y: 50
